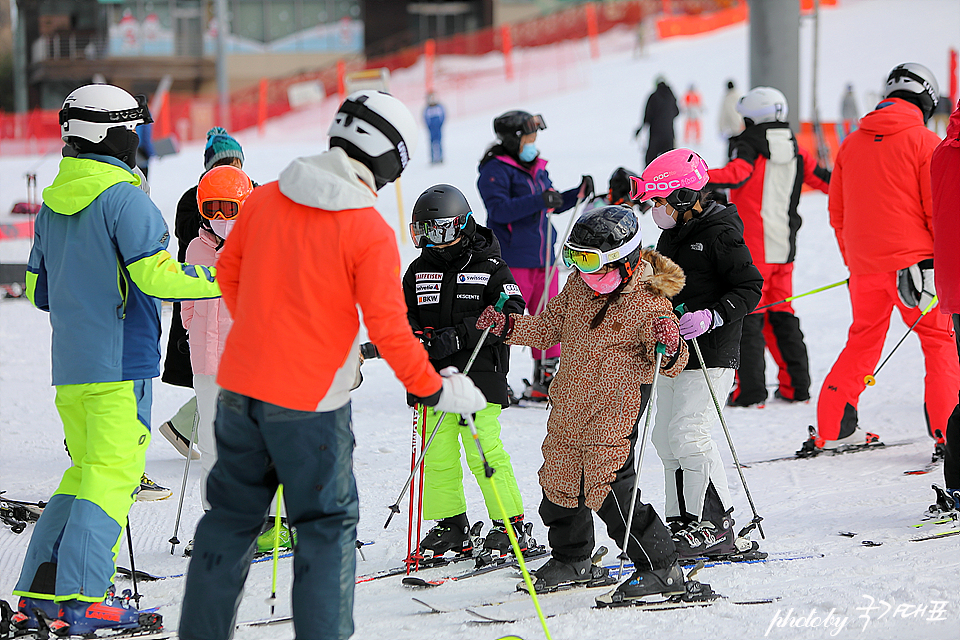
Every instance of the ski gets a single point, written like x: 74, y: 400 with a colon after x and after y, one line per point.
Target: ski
x: 832, y: 452
x: 931, y: 466
x: 266, y: 622
x: 151, y: 628
x: 716, y: 562
x: 937, y: 535
x: 497, y: 564
x: 124, y: 572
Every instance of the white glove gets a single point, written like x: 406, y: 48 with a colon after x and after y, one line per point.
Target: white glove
x: 916, y: 286
x: 459, y: 395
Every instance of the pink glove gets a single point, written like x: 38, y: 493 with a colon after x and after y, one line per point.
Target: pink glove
x: 496, y: 320
x: 695, y: 323
x: 666, y: 333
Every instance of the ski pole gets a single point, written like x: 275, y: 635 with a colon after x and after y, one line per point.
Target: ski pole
x: 277, y: 523
x: 174, y: 541
x: 800, y: 295
x: 871, y: 380
x: 133, y: 566
x: 489, y: 471
x: 660, y: 349
x: 395, y: 507
x: 716, y: 403
x: 554, y: 265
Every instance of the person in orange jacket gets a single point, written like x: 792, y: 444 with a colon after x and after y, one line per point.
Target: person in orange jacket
x: 308, y: 249
x: 765, y: 174
x: 881, y: 210
x: 692, y: 110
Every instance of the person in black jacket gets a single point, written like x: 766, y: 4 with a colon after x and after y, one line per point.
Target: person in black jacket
x: 706, y: 239
x: 221, y: 149
x: 458, y: 274
x: 658, y: 115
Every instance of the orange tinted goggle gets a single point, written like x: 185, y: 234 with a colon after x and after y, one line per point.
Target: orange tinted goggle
x: 219, y: 209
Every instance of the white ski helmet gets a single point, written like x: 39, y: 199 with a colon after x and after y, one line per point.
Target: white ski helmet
x: 376, y: 129
x: 914, y: 82
x: 91, y: 111
x: 763, y: 104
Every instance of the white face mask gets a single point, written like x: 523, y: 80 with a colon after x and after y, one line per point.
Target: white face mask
x: 663, y: 219
x: 222, y: 227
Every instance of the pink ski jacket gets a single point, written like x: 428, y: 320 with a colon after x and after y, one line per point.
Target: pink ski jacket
x: 207, y: 321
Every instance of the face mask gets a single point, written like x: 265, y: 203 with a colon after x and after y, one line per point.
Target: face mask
x: 529, y: 152
x: 663, y: 219
x: 222, y: 227
x: 602, y: 284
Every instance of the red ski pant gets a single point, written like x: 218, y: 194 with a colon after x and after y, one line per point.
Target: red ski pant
x: 872, y: 298
x: 531, y: 283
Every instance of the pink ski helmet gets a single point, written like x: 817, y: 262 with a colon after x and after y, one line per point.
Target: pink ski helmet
x: 679, y: 169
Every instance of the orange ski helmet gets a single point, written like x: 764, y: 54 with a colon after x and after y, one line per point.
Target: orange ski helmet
x: 222, y: 191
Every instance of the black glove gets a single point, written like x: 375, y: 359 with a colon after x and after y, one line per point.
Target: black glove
x: 442, y: 343
x: 586, y: 188
x: 552, y: 199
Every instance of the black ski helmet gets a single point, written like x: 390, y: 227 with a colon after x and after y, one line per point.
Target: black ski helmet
x: 513, y: 125
x: 606, y: 229
x: 441, y: 202
x: 619, y: 190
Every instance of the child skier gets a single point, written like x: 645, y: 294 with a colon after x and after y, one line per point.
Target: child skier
x: 706, y: 240
x: 458, y: 273
x: 610, y: 315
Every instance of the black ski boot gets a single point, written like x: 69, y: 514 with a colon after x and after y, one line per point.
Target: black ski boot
x: 543, y: 372
x: 706, y: 539
x: 557, y: 574
x: 497, y: 541
x: 946, y: 506
x: 449, y: 534
x: 666, y: 582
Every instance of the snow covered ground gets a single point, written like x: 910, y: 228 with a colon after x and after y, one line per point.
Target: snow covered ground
x: 804, y: 503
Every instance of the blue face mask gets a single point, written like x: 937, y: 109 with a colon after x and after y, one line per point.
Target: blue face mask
x: 529, y: 152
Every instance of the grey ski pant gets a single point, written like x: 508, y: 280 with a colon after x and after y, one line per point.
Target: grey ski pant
x: 258, y: 446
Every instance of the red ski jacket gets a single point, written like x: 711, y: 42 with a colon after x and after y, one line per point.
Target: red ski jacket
x: 945, y: 178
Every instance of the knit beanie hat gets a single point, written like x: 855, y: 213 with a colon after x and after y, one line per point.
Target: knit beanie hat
x: 220, y: 145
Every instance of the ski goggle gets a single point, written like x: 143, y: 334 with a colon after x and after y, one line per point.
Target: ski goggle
x: 588, y: 260
x: 437, y: 231
x: 219, y: 209
x: 139, y: 114
x: 533, y: 124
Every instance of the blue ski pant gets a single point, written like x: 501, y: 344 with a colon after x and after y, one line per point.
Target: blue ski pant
x: 259, y: 446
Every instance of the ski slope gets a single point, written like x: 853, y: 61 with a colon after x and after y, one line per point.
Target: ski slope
x: 804, y: 503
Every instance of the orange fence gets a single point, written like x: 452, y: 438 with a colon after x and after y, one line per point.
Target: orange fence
x: 189, y: 117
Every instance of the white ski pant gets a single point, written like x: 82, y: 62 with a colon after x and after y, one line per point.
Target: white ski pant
x: 207, y: 390
x: 681, y: 434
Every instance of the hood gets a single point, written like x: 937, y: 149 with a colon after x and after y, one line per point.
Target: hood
x: 331, y: 181
x: 667, y: 279
x: 953, y: 129
x: 891, y: 116
x: 81, y: 180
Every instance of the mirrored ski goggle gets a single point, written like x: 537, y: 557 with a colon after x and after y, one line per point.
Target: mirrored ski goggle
x: 219, y: 209
x: 437, y: 231
x: 592, y: 260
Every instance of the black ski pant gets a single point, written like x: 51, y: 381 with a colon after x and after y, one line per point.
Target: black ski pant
x: 571, y: 533
x: 951, y: 462
x: 788, y: 350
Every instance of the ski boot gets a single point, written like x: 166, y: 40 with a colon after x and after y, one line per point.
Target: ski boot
x: 448, y: 535
x: 497, y: 542
x: 856, y: 441
x: 556, y: 575
x: 667, y: 582
x: 26, y: 617
x: 947, y: 505
x: 939, y: 448
x: 705, y: 539
x: 266, y: 539
x: 82, y: 618
x: 543, y: 372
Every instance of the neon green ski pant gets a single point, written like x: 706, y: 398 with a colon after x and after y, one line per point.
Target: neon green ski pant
x: 106, y: 425
x: 443, y: 472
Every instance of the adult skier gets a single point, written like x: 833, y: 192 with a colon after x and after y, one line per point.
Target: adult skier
x: 433, y: 117
x: 766, y: 172
x: 458, y: 274
x: 99, y: 266
x: 705, y: 239
x: 612, y: 312
x: 519, y: 196
x: 284, y: 410
x: 889, y: 252
x: 658, y: 114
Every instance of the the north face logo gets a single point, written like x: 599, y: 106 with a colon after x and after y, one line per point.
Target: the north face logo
x: 697, y: 246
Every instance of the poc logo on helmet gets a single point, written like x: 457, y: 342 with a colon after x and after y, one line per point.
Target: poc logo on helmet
x: 661, y: 186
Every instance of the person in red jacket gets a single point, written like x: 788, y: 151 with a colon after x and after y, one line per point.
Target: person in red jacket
x: 881, y: 210
x: 307, y: 251
x: 945, y: 179
x: 766, y: 171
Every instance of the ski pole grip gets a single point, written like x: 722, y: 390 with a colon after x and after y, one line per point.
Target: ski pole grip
x: 681, y: 308
x: 501, y: 301
x: 661, y: 348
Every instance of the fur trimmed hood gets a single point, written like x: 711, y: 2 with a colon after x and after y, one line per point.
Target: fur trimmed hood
x: 667, y: 277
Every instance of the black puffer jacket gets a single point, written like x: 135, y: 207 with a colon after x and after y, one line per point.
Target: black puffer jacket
x: 176, y: 364
x: 443, y: 293
x: 720, y: 275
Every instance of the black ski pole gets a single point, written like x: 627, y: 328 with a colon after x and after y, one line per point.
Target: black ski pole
x: 133, y: 565
x: 395, y: 507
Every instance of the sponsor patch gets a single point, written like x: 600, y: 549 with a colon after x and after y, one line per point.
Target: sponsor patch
x: 428, y: 298
x: 428, y: 277
x: 511, y: 289
x: 427, y: 286
x: 467, y: 296
x: 473, y: 278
